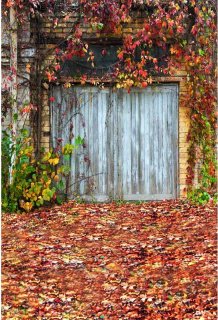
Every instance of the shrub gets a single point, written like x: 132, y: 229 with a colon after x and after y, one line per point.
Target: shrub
x: 27, y: 182
x: 201, y: 197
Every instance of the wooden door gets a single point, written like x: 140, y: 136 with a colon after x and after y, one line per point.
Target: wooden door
x: 131, y: 141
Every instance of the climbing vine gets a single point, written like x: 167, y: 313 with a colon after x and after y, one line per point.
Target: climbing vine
x: 172, y: 35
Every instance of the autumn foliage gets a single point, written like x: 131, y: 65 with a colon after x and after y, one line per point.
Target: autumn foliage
x: 184, y: 32
x: 154, y: 260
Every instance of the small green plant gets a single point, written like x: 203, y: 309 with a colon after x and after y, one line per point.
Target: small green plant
x: 27, y: 182
x: 206, y: 192
x: 63, y: 185
x: 120, y: 202
x: 201, y: 197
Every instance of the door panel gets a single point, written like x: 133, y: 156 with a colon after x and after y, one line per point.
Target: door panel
x: 131, y: 141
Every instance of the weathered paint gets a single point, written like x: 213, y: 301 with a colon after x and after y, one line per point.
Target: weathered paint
x: 131, y: 141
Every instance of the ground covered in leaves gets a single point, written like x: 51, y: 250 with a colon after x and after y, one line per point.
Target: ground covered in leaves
x: 110, y: 261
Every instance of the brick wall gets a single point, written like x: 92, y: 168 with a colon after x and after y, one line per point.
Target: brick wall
x: 25, y: 55
x: 53, y: 36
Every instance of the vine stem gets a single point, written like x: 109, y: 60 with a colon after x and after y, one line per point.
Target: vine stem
x: 13, y: 67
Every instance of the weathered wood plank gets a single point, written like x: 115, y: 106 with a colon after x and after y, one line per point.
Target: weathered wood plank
x: 126, y: 145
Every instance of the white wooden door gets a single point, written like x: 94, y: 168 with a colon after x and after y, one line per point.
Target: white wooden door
x: 131, y: 141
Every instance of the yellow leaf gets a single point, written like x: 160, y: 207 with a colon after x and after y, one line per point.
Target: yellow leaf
x: 53, y: 161
x: 67, y: 85
x: 48, y: 182
x: 28, y: 67
x: 191, y: 263
x: 47, y: 156
x: 27, y: 206
x: 56, y: 178
x: 112, y: 266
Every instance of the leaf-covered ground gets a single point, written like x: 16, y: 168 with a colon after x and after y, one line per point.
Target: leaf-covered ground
x: 110, y: 261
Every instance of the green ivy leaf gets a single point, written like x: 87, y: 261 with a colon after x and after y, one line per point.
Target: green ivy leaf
x: 15, y: 116
x: 60, y: 185
x: 79, y: 141
x: 24, y: 132
x: 201, y: 52
x: 100, y: 26
x: 66, y: 157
